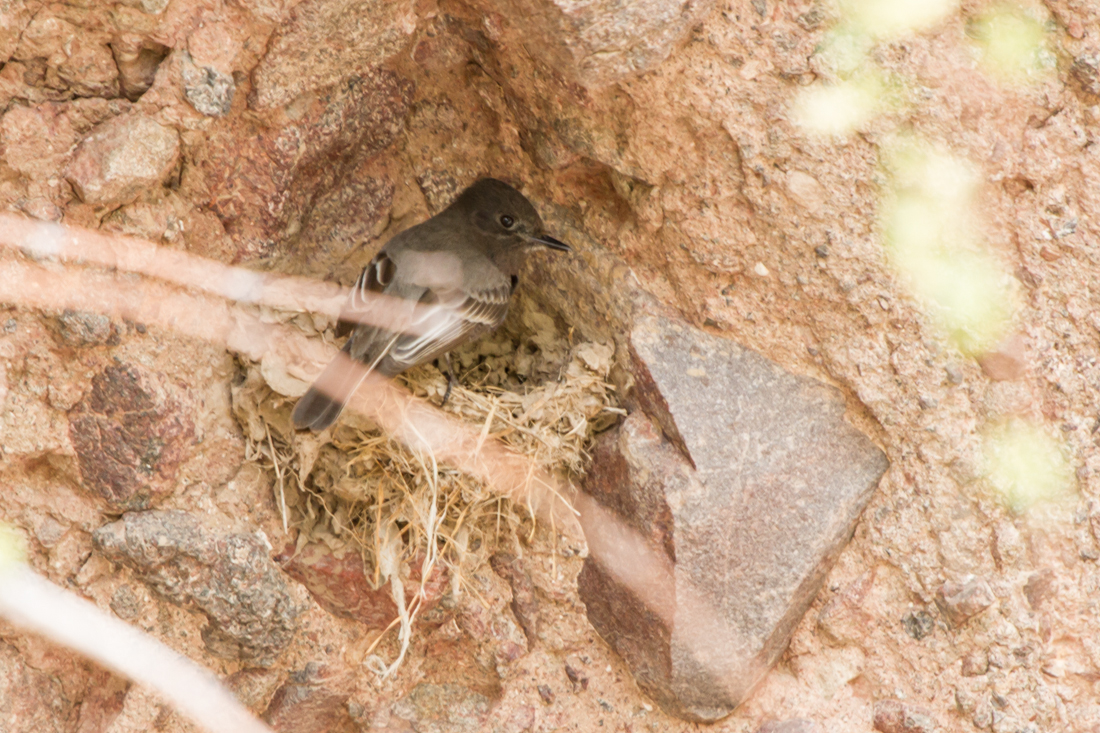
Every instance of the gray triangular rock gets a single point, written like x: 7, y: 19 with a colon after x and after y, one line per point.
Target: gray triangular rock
x: 749, y: 480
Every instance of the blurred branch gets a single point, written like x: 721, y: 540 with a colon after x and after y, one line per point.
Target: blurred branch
x: 35, y: 604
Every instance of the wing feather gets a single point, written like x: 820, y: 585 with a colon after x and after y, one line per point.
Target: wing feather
x: 449, y: 322
x: 374, y: 279
x: 441, y: 317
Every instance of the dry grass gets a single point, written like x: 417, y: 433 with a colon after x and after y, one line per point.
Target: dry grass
x: 540, y: 394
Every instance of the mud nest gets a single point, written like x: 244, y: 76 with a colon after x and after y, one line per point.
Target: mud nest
x: 352, y: 487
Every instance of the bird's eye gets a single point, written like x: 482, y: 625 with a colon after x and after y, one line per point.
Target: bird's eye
x: 507, y: 221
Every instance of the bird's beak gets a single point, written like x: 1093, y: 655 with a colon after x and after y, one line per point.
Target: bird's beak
x: 548, y: 241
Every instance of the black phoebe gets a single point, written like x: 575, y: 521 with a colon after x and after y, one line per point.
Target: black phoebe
x: 452, y: 276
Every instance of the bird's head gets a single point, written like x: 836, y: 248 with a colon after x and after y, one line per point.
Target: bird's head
x: 506, y: 216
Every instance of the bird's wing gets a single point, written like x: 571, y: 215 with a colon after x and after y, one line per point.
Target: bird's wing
x: 443, y: 311
x: 449, y: 318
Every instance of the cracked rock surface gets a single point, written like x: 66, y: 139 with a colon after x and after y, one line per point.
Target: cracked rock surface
x: 659, y: 140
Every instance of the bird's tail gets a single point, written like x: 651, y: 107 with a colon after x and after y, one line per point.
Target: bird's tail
x: 318, y: 409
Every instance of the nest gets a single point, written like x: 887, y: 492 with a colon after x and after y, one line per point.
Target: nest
x: 528, y: 385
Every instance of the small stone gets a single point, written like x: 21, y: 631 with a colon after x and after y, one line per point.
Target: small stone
x: 918, y: 624
x: 975, y: 663
x: 1049, y: 254
x: 546, y: 694
x: 954, y: 374
x: 255, y: 686
x: 49, y: 532
x: 893, y: 716
x: 1055, y: 668
x: 962, y: 599
x: 807, y: 191
x: 601, y: 42
x: 324, y: 42
x: 125, y: 603
x: 121, y: 158
x: 964, y: 702
x: 1084, y: 77
x: 208, y: 90
x: 1008, y: 545
x: 579, y: 681
x: 150, y: 7
x: 80, y: 328
x: 227, y: 576
x: 102, y: 704
x: 812, y: 19
x: 36, y: 140
x: 1039, y: 587
x: 760, y: 269
x: 928, y: 403
x: 821, y: 251
x: 843, y: 621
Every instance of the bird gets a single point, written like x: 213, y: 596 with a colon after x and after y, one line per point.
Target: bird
x: 451, y: 278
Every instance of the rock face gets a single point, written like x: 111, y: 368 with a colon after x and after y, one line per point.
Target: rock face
x: 325, y: 42
x: 750, y: 488
x: 273, y: 176
x: 229, y: 577
x: 599, y: 42
x: 309, y: 132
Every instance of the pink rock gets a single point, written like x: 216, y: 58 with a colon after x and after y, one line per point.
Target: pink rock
x: 121, y: 158
x: 339, y: 583
x: 130, y: 431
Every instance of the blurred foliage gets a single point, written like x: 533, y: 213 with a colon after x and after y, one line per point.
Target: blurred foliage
x: 1025, y: 465
x: 1010, y: 43
x: 12, y: 547
x: 932, y: 240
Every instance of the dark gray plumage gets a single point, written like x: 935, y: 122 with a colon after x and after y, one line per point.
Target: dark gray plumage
x: 461, y: 266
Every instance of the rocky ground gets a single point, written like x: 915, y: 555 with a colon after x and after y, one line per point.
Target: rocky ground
x: 666, y: 141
